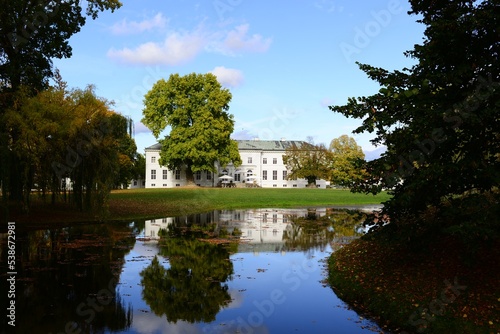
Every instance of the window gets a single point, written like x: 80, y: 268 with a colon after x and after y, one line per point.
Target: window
x: 153, y: 184
x: 197, y: 175
x: 237, y: 177
x: 135, y: 183
x: 284, y: 175
x: 295, y: 186
x: 153, y: 160
x: 275, y: 174
x: 177, y: 174
x: 249, y: 160
x: 209, y: 175
x: 153, y: 174
x: 275, y: 185
x: 264, y: 175
x: 264, y: 161
x: 165, y: 185
x: 284, y: 186
x: 165, y: 173
x: 275, y: 161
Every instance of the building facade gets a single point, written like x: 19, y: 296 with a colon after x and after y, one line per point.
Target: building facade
x: 262, y: 166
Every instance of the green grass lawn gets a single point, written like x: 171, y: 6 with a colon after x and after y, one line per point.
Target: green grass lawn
x: 133, y: 204
x: 179, y: 201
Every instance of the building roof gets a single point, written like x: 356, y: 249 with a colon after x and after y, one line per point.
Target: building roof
x: 259, y: 145
x: 155, y: 147
x: 268, y: 145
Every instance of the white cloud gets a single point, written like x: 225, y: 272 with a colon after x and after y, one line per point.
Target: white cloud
x: 181, y: 47
x: 125, y: 27
x: 229, y: 77
x: 238, y: 40
x: 177, y: 48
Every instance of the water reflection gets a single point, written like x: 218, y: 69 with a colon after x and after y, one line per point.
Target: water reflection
x: 193, y: 288
x: 121, y: 278
x: 66, y: 279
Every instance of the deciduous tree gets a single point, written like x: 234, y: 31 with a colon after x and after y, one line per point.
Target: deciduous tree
x: 195, y: 107
x: 440, y: 118
x: 347, y: 161
x: 311, y: 162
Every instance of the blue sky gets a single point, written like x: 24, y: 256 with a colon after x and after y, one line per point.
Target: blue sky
x: 283, y: 61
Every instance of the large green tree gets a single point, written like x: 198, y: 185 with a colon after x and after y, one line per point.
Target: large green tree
x: 196, y: 107
x: 347, y: 161
x: 439, y: 118
x: 308, y: 161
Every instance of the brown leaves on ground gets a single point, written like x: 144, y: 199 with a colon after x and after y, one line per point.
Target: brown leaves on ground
x: 413, y: 278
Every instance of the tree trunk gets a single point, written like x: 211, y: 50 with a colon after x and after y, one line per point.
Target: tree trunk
x: 189, y: 176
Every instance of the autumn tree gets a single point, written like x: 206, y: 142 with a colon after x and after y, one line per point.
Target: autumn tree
x: 69, y: 134
x: 439, y: 118
x: 347, y: 161
x: 311, y: 162
x: 32, y: 33
x: 195, y: 107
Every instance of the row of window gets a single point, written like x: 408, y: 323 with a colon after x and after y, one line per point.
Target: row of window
x: 264, y: 161
x: 177, y: 175
x: 275, y: 175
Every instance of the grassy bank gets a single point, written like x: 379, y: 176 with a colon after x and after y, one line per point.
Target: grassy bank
x: 435, y: 286
x: 154, y: 203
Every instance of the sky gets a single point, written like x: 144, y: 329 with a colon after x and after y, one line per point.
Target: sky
x: 284, y: 62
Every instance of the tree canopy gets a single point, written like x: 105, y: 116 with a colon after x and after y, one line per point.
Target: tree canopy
x: 440, y: 118
x: 32, y: 33
x: 308, y: 161
x: 195, y: 107
x: 347, y: 161
x: 72, y: 134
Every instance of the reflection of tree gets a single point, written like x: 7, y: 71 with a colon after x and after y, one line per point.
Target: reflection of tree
x: 62, y: 271
x: 311, y: 231
x: 192, y: 288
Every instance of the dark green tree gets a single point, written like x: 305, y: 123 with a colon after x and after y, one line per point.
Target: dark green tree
x: 196, y: 107
x: 440, y: 118
x: 32, y: 33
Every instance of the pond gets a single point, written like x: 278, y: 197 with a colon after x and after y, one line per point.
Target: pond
x: 121, y: 278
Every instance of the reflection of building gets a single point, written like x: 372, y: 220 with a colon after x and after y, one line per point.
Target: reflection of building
x: 261, y: 229
x: 262, y: 165
x: 153, y: 226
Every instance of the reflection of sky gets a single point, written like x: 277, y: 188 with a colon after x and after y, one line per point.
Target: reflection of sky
x: 271, y: 292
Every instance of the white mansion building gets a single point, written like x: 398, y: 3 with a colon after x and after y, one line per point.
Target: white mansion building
x: 262, y: 166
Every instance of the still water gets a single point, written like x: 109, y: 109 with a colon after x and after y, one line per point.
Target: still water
x: 121, y: 278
